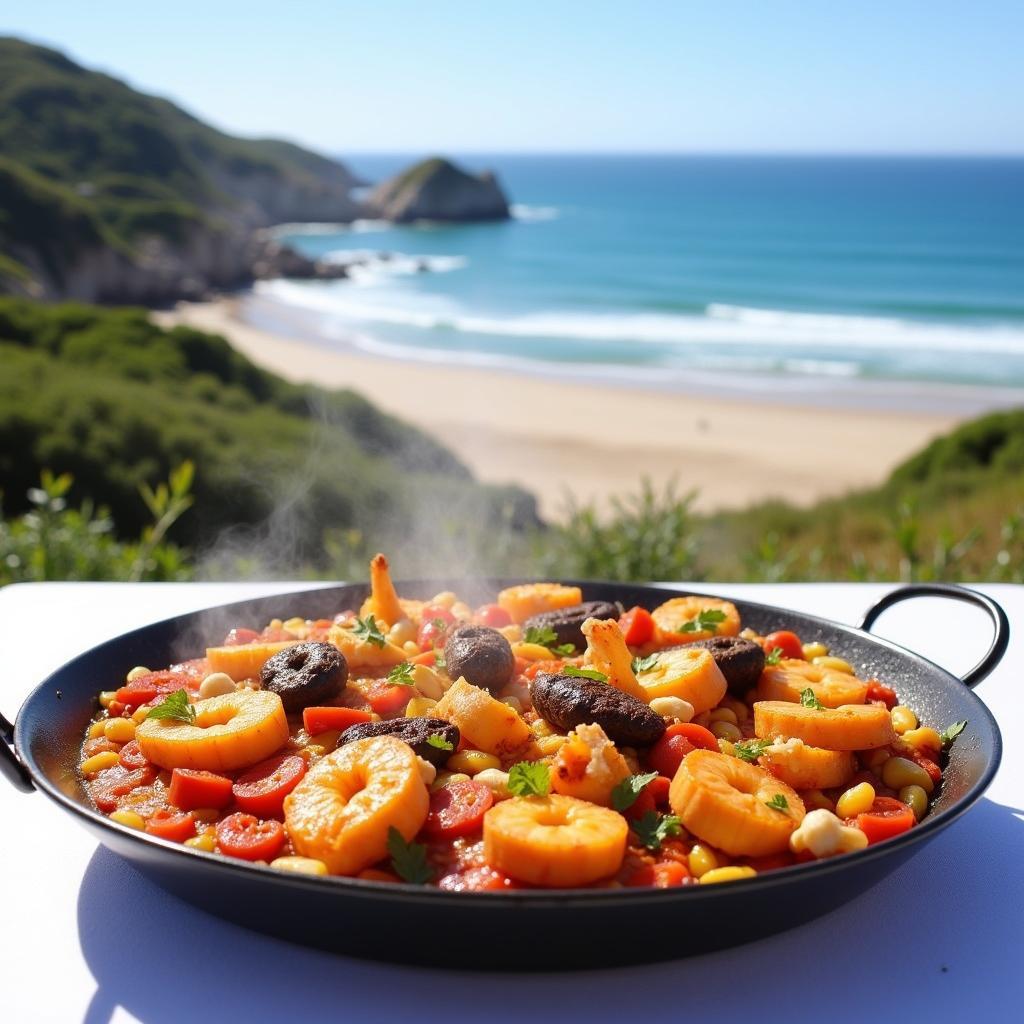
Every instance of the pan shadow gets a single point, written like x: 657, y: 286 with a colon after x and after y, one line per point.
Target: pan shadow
x: 164, y: 961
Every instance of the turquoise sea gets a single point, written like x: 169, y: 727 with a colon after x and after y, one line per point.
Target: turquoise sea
x: 791, y: 271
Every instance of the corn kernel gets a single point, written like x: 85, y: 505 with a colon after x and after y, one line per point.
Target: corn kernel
x: 856, y: 800
x: 724, y: 715
x: 725, y: 747
x: 835, y: 664
x: 730, y: 874
x: 129, y: 818
x: 815, y: 650
x: 472, y: 761
x: 140, y: 714
x: 107, y: 697
x: 903, y: 719
x: 925, y: 739
x: 726, y: 731
x: 300, y: 865
x: 205, y: 815
x: 815, y: 800
x: 96, y: 763
x: 916, y: 799
x: 701, y: 860
x: 98, y: 728
x: 672, y: 707
x: 549, y: 745
x: 119, y: 730
x: 207, y: 841
x: 312, y: 752
x: 411, y: 648
x: 419, y: 707
x: 898, y: 772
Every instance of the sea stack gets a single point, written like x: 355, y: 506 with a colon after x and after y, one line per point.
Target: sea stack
x: 437, y: 190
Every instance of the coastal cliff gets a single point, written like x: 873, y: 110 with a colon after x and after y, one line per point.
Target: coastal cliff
x: 437, y: 190
x: 110, y: 195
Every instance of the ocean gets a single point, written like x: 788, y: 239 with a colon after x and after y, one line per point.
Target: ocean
x: 786, y: 274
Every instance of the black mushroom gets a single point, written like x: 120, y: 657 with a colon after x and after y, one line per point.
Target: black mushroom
x: 414, y: 731
x: 305, y: 674
x: 481, y: 655
x: 741, y: 661
x: 567, y: 623
x: 568, y: 701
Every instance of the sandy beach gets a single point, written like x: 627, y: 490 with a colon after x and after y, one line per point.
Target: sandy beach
x: 558, y: 438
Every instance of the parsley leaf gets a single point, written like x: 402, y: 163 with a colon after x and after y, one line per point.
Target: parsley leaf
x: 653, y: 828
x: 625, y: 793
x: 808, y: 700
x: 435, y: 740
x: 948, y: 735
x: 750, y: 750
x: 401, y: 675
x: 587, y: 673
x: 529, y: 778
x: 175, y: 706
x: 409, y: 859
x: 640, y: 665
x: 774, y: 656
x: 547, y: 637
x: 778, y: 803
x: 707, y: 621
x: 439, y: 661
x: 369, y: 632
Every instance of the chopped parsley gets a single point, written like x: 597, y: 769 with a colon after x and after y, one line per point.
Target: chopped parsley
x: 439, y: 661
x: 808, y: 700
x: 547, y: 637
x: 409, y: 859
x: 175, y: 706
x: 652, y: 829
x: 640, y: 665
x: 707, y: 621
x: 625, y: 793
x: 401, y: 675
x: 948, y: 735
x: 750, y: 750
x: 778, y: 803
x: 438, y: 741
x: 369, y: 632
x: 774, y: 656
x: 529, y: 778
x: 587, y: 673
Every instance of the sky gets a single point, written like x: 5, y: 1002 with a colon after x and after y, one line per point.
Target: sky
x: 765, y: 76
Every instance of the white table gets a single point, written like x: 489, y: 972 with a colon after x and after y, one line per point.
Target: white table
x: 87, y: 938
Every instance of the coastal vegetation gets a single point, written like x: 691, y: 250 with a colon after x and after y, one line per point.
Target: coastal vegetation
x: 264, y: 477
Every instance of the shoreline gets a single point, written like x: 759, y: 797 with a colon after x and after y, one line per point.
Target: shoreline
x: 559, y: 436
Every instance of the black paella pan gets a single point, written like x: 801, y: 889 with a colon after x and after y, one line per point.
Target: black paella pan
x: 608, y: 926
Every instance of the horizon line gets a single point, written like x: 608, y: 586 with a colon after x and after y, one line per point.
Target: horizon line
x: 709, y: 153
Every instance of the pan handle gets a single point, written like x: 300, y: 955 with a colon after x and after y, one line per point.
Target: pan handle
x: 1000, y: 623
x: 11, y: 767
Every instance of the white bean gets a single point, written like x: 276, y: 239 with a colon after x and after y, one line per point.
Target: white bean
x: 216, y: 684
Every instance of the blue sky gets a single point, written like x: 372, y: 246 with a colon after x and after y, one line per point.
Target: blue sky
x: 901, y: 76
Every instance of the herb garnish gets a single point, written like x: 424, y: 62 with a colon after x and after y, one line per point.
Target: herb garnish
x: 774, y: 656
x: 409, y: 859
x: 750, y: 750
x: 439, y: 661
x: 808, y: 700
x: 948, y: 735
x: 175, y: 706
x: 707, y: 621
x: 640, y: 665
x: 652, y: 828
x: 778, y: 803
x: 547, y: 637
x: 529, y: 778
x: 436, y: 740
x: 401, y: 675
x: 625, y: 793
x: 587, y: 673
x: 369, y: 632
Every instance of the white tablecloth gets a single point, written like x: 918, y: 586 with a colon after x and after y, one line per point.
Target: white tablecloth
x: 87, y: 938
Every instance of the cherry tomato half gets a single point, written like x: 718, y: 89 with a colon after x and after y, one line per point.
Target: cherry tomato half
x: 492, y: 615
x: 888, y: 817
x: 789, y: 643
x: 436, y: 611
x: 457, y: 809
x: 879, y: 691
x: 248, y: 838
x: 131, y: 756
x: 113, y: 783
x: 680, y: 739
x: 240, y: 635
x: 432, y: 633
x: 262, y: 789
x: 389, y: 698
x: 173, y: 825
x: 637, y: 626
